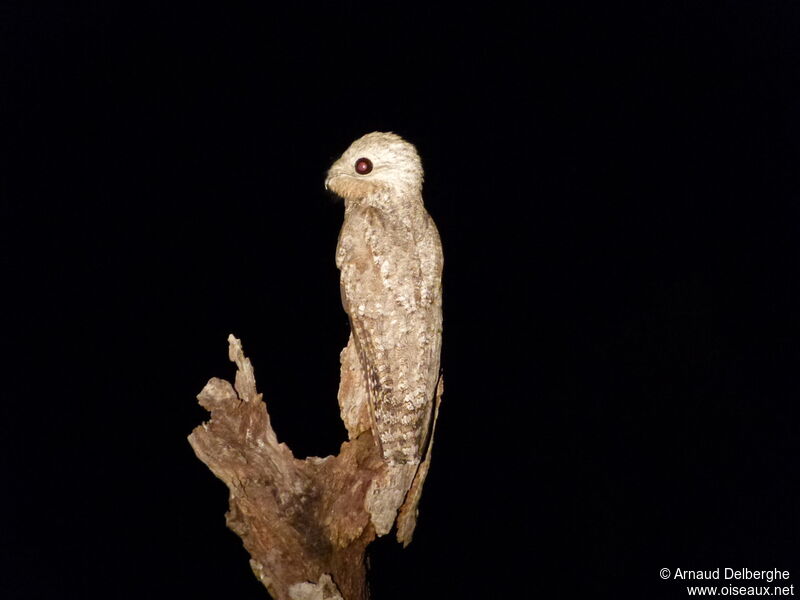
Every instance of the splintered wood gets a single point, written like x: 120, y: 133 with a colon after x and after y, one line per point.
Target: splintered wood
x: 304, y: 522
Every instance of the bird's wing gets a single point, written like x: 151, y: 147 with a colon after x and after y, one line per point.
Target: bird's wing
x: 380, y: 280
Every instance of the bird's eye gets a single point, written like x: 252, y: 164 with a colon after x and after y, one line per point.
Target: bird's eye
x: 363, y: 166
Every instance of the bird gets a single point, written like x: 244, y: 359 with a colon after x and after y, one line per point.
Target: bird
x: 390, y: 259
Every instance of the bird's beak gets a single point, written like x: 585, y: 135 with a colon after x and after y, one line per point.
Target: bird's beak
x: 331, y: 176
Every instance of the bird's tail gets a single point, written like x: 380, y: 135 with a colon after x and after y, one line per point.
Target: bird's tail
x: 387, y: 493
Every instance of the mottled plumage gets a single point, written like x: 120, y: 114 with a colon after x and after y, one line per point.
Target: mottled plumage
x: 390, y: 259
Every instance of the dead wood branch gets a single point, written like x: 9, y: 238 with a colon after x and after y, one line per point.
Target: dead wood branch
x: 304, y: 522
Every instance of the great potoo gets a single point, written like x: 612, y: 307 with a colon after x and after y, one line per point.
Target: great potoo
x: 390, y: 259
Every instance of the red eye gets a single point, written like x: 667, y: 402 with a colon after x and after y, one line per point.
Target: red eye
x: 363, y: 166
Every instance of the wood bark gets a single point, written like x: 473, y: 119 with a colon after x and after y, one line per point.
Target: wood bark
x: 304, y: 522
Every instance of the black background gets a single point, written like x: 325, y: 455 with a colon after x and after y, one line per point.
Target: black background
x: 616, y: 190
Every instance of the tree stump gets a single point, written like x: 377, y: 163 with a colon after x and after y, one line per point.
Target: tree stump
x: 304, y: 522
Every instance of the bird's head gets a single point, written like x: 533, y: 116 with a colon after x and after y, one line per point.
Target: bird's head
x: 375, y: 165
